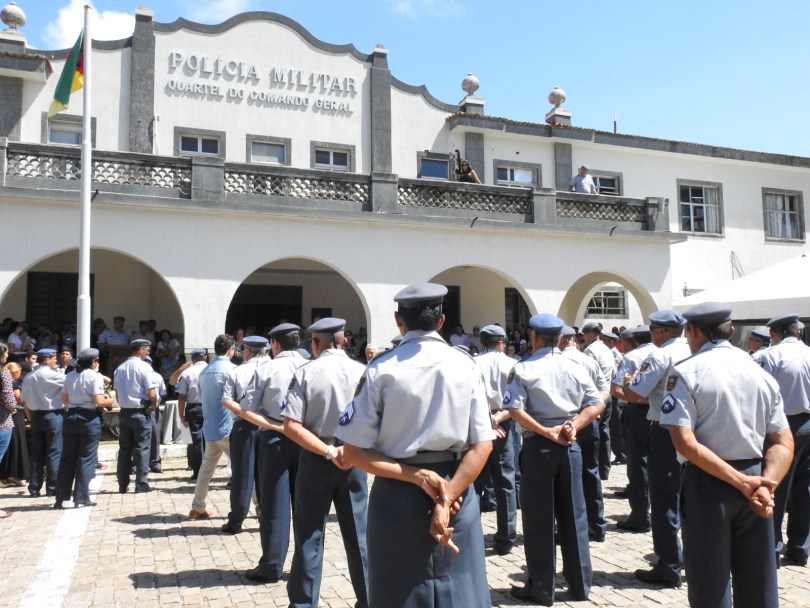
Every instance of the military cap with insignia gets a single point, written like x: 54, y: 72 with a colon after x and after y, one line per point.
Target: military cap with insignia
x: 87, y: 354
x: 784, y: 321
x: 667, y: 318
x: 568, y: 331
x: 546, y: 324
x: 421, y: 294
x: 639, y: 330
x: 590, y: 326
x: 627, y: 334
x: 609, y: 335
x: 255, y: 342
x: 283, y: 330
x: 199, y: 352
x: 494, y: 330
x: 140, y: 343
x: 327, y: 325
x: 708, y: 313
x: 46, y: 352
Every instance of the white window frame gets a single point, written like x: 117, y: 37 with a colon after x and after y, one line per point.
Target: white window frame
x: 199, y: 134
x: 435, y: 157
x: 510, y: 166
x: 331, y: 148
x: 705, y: 208
x: 284, y: 142
x: 776, y: 217
x: 602, y: 306
x: 598, y: 176
x: 69, y: 123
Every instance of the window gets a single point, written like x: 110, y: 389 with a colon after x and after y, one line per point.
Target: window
x: 434, y: 169
x: 68, y: 134
x: 198, y: 142
x: 261, y: 152
x: 335, y: 157
x: 700, y: 208
x: 511, y: 173
x: 783, y: 214
x: 199, y: 145
x: 608, y: 183
x: 608, y: 304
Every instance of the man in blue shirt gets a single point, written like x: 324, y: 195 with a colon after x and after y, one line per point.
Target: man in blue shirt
x: 217, y: 421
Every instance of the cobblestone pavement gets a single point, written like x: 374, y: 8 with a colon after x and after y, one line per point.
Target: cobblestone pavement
x: 142, y: 550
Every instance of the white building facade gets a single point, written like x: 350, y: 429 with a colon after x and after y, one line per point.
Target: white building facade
x: 247, y: 173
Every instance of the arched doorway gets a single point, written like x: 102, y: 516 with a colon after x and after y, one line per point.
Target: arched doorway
x: 610, y: 298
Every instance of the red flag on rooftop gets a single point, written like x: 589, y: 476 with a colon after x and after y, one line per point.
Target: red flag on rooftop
x: 72, y: 78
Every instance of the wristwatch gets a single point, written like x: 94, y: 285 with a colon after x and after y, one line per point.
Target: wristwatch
x: 330, y: 452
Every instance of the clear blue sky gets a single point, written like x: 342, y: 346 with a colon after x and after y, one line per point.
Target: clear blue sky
x: 719, y: 72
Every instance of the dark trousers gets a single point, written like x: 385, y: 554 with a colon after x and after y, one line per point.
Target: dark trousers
x: 552, y: 490
x: 588, y: 440
x: 616, y: 435
x: 278, y: 462
x: 406, y: 567
x: 154, y: 442
x: 318, y: 484
x: 500, y: 471
x: 604, y: 443
x: 665, y: 496
x: 46, y: 450
x: 81, y: 433
x: 244, y: 455
x: 194, y: 451
x: 133, y: 446
x: 723, y: 537
x: 636, y: 441
x: 793, y: 494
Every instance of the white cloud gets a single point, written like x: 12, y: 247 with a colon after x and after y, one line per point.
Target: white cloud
x: 214, y: 11
x: 104, y: 25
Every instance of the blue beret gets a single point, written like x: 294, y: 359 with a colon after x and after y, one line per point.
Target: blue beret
x: 327, y: 325
x: 639, y: 330
x: 590, y: 326
x: 609, y: 335
x: 140, y: 342
x: 546, y: 324
x: 421, y: 294
x: 627, y: 334
x: 667, y: 318
x: 87, y: 354
x: 46, y: 352
x: 761, y: 335
x: 567, y: 330
x: 783, y: 321
x: 284, y: 329
x: 494, y: 330
x: 199, y: 352
x: 709, y: 313
x: 255, y: 342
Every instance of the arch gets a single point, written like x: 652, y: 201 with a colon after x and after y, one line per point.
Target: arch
x: 575, y: 296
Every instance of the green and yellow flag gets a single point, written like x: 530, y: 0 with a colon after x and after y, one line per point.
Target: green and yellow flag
x: 72, y: 78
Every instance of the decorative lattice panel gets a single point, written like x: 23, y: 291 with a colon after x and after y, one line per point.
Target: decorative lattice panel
x: 600, y: 211
x: 418, y: 195
x: 296, y: 186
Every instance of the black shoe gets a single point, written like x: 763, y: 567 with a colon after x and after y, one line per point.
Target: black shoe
x: 619, y: 460
x: 142, y: 487
x: 632, y: 526
x: 122, y: 489
x: 58, y: 505
x: 228, y: 485
x: 522, y: 593
x: 793, y: 560
x: 255, y: 575
x: 89, y: 503
x: 659, y: 576
x: 34, y: 494
x: 156, y: 469
x: 230, y: 528
x: 597, y: 536
x: 503, y: 549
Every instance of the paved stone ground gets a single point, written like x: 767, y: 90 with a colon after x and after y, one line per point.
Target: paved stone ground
x: 142, y: 550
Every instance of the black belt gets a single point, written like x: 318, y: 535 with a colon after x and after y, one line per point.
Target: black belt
x: 146, y: 403
x: 800, y: 415
x: 43, y: 412
x: 432, y: 457
x: 188, y: 405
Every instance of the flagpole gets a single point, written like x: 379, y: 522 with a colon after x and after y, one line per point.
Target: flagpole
x: 84, y: 303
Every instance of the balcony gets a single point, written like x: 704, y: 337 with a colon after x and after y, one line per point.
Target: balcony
x: 210, y: 182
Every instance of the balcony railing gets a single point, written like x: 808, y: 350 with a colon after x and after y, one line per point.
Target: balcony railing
x: 469, y: 197
x: 282, y: 181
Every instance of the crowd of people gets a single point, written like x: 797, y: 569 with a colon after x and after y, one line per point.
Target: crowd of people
x: 716, y: 441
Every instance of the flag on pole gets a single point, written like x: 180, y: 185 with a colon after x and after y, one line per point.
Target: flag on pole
x: 72, y: 78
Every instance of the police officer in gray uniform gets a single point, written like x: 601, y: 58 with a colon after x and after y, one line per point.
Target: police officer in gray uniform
x: 663, y: 467
x: 189, y: 408
x: 552, y: 398
x: 319, y: 392
x: 496, y: 367
x: 726, y: 420
x: 137, y: 397
x: 758, y: 343
x: 278, y: 455
x: 244, y: 437
x: 597, y: 349
x: 788, y: 361
x: 420, y: 423
x: 41, y: 394
x: 636, y: 429
x: 589, y: 439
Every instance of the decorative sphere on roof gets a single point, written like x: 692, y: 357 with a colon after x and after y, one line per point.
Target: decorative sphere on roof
x: 13, y: 16
x: 470, y: 84
x: 556, y: 97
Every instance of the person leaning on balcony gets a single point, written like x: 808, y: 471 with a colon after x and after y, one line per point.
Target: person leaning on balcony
x: 583, y: 182
x: 467, y: 174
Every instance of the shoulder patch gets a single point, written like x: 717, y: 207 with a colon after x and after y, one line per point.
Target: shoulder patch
x: 644, y: 367
x: 668, y: 404
x: 347, y: 415
x: 511, y: 377
x: 507, y: 397
x: 636, y: 381
x: 360, y: 386
x: 672, y: 381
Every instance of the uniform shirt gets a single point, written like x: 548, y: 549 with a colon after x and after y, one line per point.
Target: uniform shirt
x: 159, y: 385
x: 189, y: 382
x: 632, y: 362
x: 759, y: 354
x: 591, y: 366
x: 583, y: 183
x: 618, y: 357
x: 268, y: 389
x: 41, y: 389
x: 496, y: 368
x: 239, y: 380
x: 80, y: 388
x: 603, y: 356
x: 424, y: 395
x: 789, y: 363
x: 550, y: 387
x: 320, y: 391
x: 726, y: 399
x: 133, y: 379
x: 652, y: 375
x: 110, y: 336
x: 217, y: 421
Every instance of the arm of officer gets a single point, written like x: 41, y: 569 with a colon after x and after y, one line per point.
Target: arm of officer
x: 175, y: 377
x: 151, y: 394
x: 181, y: 408
x: 633, y: 397
x: 530, y: 424
x: 309, y: 441
x: 258, y: 419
